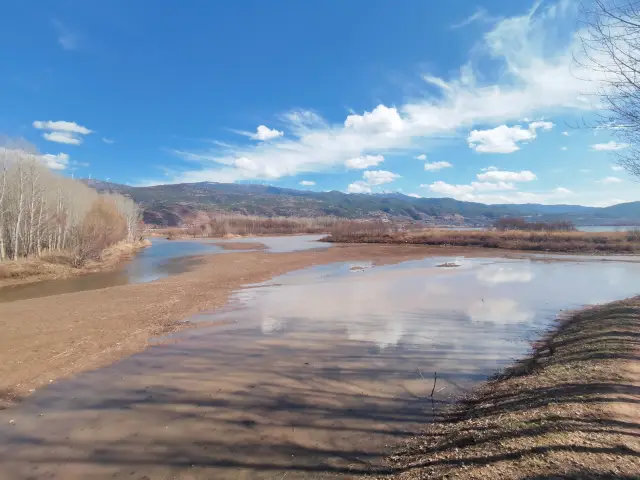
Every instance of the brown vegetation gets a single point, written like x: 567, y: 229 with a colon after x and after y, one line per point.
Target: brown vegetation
x: 242, y: 225
x: 574, y: 242
x: 517, y: 223
x: 569, y: 410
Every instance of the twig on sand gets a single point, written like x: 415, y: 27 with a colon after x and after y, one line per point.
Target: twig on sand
x: 435, y: 379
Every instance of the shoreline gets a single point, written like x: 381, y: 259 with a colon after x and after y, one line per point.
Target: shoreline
x: 40, y: 270
x: 49, y: 338
x: 586, y: 243
x: 566, y: 410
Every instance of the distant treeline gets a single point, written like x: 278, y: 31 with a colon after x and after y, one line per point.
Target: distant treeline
x: 42, y: 212
x: 517, y: 223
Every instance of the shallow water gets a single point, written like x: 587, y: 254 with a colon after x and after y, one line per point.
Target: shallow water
x: 314, y: 374
x: 282, y: 244
x: 161, y: 259
x: 151, y: 263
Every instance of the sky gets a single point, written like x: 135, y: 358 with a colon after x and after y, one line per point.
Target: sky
x: 479, y: 100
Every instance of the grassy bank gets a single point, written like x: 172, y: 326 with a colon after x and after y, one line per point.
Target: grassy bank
x: 573, y: 242
x: 569, y: 410
x: 60, y: 265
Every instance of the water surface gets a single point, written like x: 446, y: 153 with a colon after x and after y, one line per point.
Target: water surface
x: 314, y: 374
x: 151, y: 263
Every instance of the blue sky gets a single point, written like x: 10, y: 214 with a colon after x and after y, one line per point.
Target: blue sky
x: 475, y: 100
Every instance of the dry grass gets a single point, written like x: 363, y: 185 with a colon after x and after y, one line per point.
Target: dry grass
x: 242, y: 225
x: 583, y: 242
x: 570, y: 410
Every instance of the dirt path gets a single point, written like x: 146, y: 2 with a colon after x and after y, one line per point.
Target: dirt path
x: 571, y: 410
x: 47, y: 338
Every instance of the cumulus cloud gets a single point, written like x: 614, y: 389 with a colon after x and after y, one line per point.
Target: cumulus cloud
x: 566, y: 134
x: 533, y: 73
x: 264, y: 133
x: 359, y: 187
x: 503, y: 139
x: 505, y: 176
x: 608, y: 180
x: 436, y: 166
x: 307, y: 183
x: 364, y: 161
x: 62, y: 131
x: 468, y: 190
x: 563, y: 191
x: 422, y: 156
x: 609, y: 146
x: 372, y: 178
x: 379, y: 177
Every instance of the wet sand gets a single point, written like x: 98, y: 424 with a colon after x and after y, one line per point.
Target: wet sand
x: 47, y: 338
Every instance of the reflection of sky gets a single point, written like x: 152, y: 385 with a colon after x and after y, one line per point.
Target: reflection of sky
x: 484, y: 304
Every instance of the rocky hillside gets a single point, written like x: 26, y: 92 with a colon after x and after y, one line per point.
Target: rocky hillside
x: 192, y: 203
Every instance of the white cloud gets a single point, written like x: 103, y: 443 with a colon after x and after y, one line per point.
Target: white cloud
x: 364, y: 161
x: 62, y: 137
x: 496, y: 274
x: 307, y: 183
x: 533, y: 73
x: 617, y: 168
x: 469, y: 190
x: 542, y: 125
x: 609, y: 146
x: 564, y: 149
x: 422, y: 156
x: 264, y: 133
x: 436, y: 166
x: 61, y: 131
x: 61, y: 126
x: 503, y: 139
x: 108, y: 141
x: 566, y: 134
x: 505, y: 176
x: 372, y: 178
x: 563, y: 191
x: 55, y: 162
x: 480, y: 15
x: 607, y: 180
x: 502, y: 311
x: 379, y: 177
x: 414, y: 195
x: 359, y: 187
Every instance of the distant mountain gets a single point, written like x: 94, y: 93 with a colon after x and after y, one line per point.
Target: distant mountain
x: 192, y: 203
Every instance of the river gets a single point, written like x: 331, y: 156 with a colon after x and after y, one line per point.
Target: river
x: 161, y: 259
x: 318, y: 373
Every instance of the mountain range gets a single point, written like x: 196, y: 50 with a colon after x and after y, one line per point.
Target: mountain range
x: 186, y: 204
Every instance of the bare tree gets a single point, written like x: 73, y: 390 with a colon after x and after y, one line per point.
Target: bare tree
x: 42, y: 211
x: 611, y: 47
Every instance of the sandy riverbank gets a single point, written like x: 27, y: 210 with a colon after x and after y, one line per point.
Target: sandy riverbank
x: 47, y: 338
x: 53, y: 267
x: 570, y: 410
